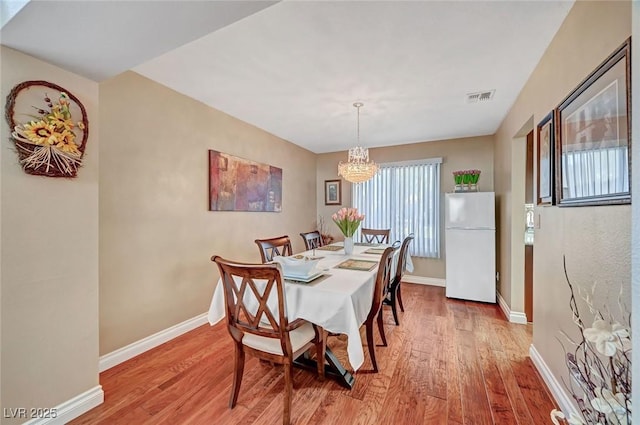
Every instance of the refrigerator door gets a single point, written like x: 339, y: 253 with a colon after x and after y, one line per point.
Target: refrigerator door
x: 471, y: 265
x: 470, y: 210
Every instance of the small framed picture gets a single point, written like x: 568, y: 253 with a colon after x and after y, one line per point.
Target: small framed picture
x: 593, y: 129
x: 333, y: 192
x: 545, y: 160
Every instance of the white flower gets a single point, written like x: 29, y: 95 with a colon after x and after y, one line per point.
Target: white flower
x: 573, y: 418
x: 622, y: 418
x: 614, y: 406
x: 555, y: 415
x: 576, y: 420
x: 606, y: 337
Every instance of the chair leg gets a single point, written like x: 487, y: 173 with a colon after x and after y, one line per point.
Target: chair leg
x: 237, y: 374
x: 394, y: 308
x: 400, y: 297
x: 372, y: 349
x: 381, y: 329
x: 288, y: 384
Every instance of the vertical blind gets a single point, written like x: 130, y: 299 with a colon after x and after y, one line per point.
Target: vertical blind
x: 404, y: 197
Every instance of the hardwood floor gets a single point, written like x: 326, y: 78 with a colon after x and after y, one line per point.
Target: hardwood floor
x: 449, y: 362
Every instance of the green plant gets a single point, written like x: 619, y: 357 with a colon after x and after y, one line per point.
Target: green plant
x: 466, y: 176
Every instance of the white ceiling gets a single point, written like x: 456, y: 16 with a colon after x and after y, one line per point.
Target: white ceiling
x: 295, y: 68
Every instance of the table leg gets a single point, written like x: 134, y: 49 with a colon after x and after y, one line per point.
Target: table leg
x: 333, y: 369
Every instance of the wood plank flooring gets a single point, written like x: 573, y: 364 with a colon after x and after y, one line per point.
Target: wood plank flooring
x: 449, y: 362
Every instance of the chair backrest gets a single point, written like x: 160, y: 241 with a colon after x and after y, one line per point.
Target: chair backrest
x: 376, y: 235
x: 382, y: 281
x: 269, y: 248
x: 312, y: 239
x: 402, y: 258
x: 247, y: 290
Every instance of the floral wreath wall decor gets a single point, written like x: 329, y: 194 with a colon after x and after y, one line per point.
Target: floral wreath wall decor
x: 49, y: 128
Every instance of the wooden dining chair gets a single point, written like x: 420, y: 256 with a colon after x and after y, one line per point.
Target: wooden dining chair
x: 394, y: 293
x: 269, y: 248
x: 312, y: 240
x: 380, y: 291
x: 376, y: 235
x: 262, y: 329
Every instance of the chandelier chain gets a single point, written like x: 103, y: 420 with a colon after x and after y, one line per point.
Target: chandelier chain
x: 358, y: 105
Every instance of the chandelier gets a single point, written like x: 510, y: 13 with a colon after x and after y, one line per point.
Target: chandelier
x: 358, y: 168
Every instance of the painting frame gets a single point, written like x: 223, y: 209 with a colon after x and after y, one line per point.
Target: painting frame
x: 593, y: 136
x: 545, y: 133
x: 333, y: 192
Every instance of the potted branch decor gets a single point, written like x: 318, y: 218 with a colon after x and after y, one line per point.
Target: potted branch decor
x: 326, y: 237
x: 599, y: 367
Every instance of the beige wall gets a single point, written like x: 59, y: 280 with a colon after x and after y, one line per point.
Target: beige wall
x: 156, y: 233
x: 49, y: 261
x: 595, y: 240
x: 457, y: 154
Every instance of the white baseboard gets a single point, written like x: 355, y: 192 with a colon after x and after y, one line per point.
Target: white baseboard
x: 423, y: 280
x: 145, y: 344
x: 558, y: 391
x: 513, y: 316
x: 71, y: 409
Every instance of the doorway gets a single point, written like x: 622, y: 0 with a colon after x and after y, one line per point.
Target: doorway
x: 528, y: 232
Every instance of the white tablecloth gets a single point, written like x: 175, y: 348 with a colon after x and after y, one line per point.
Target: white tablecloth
x: 339, y: 302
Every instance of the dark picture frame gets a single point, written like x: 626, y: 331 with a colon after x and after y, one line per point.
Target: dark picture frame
x: 593, y: 135
x: 333, y: 192
x: 545, y: 160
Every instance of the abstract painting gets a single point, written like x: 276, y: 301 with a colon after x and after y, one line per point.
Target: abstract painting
x: 238, y: 184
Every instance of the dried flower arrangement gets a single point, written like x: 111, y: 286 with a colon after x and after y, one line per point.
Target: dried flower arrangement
x: 326, y: 237
x: 599, y: 366
x: 49, y: 143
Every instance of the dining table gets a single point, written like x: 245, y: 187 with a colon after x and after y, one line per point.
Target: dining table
x: 338, y: 299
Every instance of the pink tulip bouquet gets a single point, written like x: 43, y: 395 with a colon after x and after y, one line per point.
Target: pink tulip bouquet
x: 348, y: 220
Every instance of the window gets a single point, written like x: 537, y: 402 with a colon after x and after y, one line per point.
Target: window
x: 404, y: 197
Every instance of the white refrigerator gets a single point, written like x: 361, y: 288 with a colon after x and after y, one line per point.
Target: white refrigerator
x: 470, y: 239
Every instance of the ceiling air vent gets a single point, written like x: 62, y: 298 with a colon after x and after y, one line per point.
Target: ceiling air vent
x: 481, y: 96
